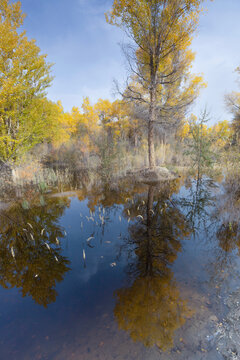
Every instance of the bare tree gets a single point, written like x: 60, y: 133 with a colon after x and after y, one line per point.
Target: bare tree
x: 233, y: 104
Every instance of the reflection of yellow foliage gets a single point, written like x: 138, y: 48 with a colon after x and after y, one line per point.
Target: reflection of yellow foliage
x: 228, y: 237
x: 151, y: 310
x: 34, y: 269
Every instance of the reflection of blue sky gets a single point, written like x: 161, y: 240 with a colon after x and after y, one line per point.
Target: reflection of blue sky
x: 87, y: 56
x: 106, y: 243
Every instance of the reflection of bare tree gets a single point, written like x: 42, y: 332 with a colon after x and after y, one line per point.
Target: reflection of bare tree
x: 226, y: 220
x: 198, y: 202
x: 227, y: 216
x: 30, y: 252
x: 151, y: 309
x: 158, y: 233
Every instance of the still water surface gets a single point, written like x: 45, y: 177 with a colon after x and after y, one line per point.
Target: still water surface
x: 120, y: 271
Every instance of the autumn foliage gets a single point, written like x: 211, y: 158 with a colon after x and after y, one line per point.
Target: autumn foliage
x: 150, y: 118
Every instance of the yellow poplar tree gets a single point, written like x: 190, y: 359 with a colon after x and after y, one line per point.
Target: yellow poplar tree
x: 89, y: 125
x: 161, y: 33
x: 222, y: 133
x: 24, y: 76
x: 66, y: 125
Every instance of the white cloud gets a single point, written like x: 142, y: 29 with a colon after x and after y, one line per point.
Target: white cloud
x: 87, y: 58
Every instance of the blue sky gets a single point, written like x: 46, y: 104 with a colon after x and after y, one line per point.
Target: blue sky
x: 87, y: 55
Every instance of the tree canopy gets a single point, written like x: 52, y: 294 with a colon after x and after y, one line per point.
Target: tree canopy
x: 159, y: 57
x: 26, y: 116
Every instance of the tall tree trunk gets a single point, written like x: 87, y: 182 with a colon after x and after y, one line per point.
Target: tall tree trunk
x: 151, y: 150
x: 151, y: 122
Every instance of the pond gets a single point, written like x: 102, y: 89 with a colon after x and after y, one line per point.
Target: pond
x: 119, y: 271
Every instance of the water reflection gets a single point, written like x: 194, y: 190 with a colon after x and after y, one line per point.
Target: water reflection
x: 30, y: 251
x: 198, y: 202
x: 151, y: 309
x: 160, y: 271
x: 225, y: 223
x: 227, y: 216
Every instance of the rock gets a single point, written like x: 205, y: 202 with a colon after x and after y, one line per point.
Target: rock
x: 154, y: 175
x: 64, y: 194
x: 228, y: 339
x: 213, y: 318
